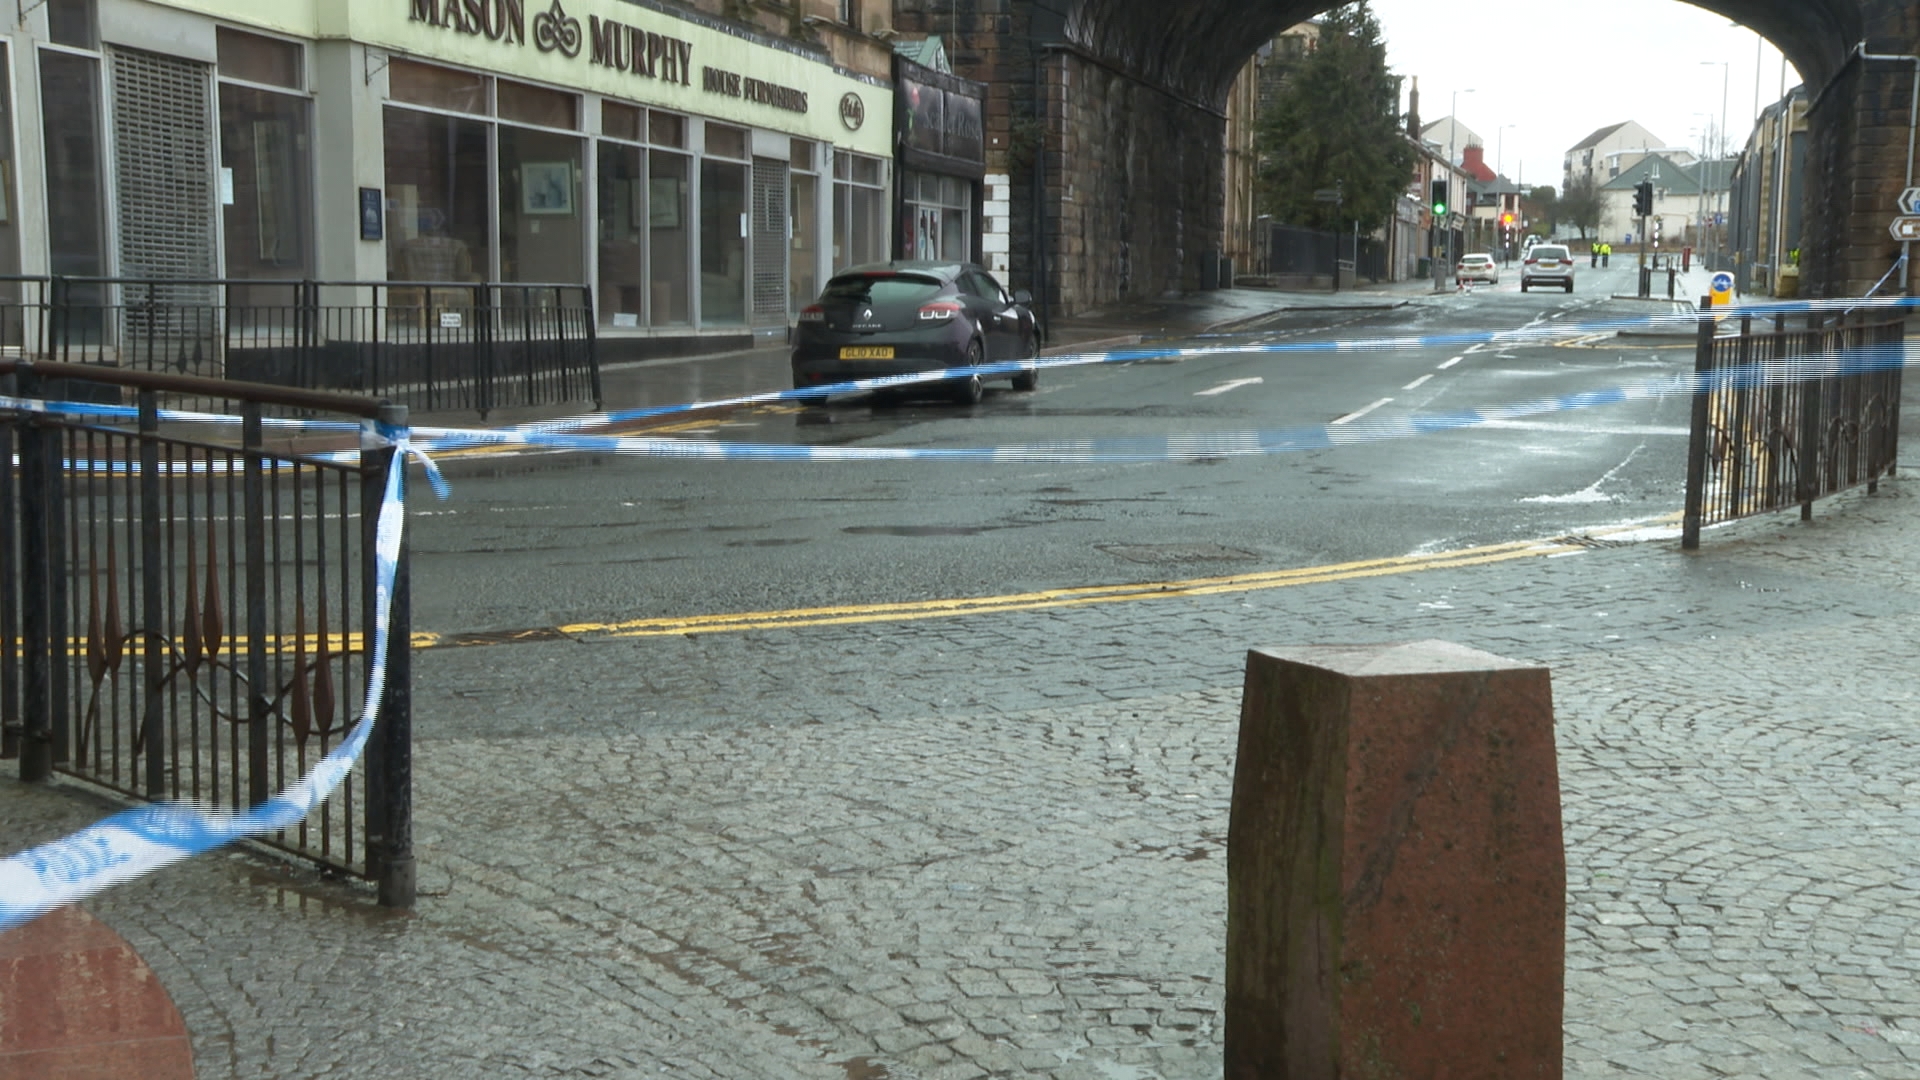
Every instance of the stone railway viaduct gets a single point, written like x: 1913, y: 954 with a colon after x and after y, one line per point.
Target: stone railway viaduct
x: 1109, y: 118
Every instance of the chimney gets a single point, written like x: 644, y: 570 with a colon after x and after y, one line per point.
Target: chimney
x: 1413, y: 110
x: 1473, y: 162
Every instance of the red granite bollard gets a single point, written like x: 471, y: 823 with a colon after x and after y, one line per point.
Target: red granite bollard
x: 1396, y: 880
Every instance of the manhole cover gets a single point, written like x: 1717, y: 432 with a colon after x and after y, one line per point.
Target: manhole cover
x: 1162, y: 553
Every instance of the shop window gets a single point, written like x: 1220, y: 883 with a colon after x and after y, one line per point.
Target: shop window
x: 437, y: 197
x: 859, y: 211
x: 669, y: 239
x: 804, y: 262
x: 723, y: 244
x: 265, y: 170
x: 12, y: 324
x: 437, y: 87
x: 622, y: 233
x: 542, y: 220
x: 70, y: 100
x: 727, y: 142
x: 801, y: 155
x: 72, y: 22
x: 525, y: 104
x: 623, y: 121
x: 257, y: 59
x: 666, y: 129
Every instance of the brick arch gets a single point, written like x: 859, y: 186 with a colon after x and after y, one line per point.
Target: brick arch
x: 1112, y: 119
x: 1197, y: 48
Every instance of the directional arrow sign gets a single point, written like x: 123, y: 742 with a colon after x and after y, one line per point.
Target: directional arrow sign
x: 1910, y: 201
x: 1905, y: 228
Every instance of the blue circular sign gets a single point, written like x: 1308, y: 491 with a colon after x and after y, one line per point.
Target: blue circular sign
x: 1723, y: 282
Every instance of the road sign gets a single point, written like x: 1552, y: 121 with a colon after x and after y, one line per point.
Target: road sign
x: 1327, y: 195
x: 1721, y: 288
x: 1906, y: 227
x: 1910, y: 201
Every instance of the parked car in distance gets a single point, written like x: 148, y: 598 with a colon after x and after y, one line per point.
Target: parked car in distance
x: 1547, y: 264
x: 909, y: 316
x: 1477, y: 267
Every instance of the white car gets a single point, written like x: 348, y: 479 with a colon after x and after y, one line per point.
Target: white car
x: 1477, y: 267
x: 1547, y: 264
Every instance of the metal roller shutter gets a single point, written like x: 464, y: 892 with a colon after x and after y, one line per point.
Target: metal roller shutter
x: 769, y: 242
x: 163, y: 153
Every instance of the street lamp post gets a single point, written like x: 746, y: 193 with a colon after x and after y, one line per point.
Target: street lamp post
x: 1499, y: 154
x: 1453, y: 127
x: 1722, y: 151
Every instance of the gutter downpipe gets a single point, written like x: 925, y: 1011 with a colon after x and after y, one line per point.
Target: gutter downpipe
x: 1913, y: 115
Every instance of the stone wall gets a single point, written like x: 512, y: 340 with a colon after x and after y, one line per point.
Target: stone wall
x: 1133, y: 186
x: 1857, y: 162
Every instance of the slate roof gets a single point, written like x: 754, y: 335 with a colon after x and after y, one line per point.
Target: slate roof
x: 1597, y: 137
x: 1674, y: 179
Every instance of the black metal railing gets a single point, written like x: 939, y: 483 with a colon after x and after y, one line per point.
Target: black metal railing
x: 1308, y: 255
x: 186, y: 609
x: 1787, y: 414
x: 432, y: 346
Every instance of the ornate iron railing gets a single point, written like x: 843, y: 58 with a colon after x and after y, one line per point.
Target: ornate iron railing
x: 1789, y: 413
x: 186, y: 607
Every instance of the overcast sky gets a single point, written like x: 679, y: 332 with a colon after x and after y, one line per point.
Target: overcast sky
x: 1560, y: 69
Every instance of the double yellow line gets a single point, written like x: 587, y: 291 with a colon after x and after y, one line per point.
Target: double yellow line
x: 853, y: 614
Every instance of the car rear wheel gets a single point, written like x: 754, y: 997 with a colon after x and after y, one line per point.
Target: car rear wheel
x: 969, y: 390
x: 1569, y: 286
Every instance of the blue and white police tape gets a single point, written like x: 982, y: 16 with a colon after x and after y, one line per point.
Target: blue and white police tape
x: 437, y: 439
x: 1192, y: 446
x: 136, y: 842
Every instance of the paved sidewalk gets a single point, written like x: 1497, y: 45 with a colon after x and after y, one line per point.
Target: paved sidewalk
x: 650, y: 861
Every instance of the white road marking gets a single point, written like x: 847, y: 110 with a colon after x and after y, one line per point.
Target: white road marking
x: 1591, y: 493
x: 1451, y: 362
x: 1415, y: 384
x: 1226, y: 386
x: 1357, y: 415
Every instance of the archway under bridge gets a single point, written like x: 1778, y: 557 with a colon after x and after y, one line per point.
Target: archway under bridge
x: 1108, y: 118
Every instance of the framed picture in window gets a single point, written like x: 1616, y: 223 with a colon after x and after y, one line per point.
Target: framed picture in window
x: 663, y: 202
x: 546, y: 187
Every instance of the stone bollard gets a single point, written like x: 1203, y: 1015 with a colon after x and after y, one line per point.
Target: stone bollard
x: 1396, y: 880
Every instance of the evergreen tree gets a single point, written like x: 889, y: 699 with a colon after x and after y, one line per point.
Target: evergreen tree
x: 1334, y: 125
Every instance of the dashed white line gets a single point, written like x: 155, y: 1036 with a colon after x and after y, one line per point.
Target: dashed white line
x: 1226, y: 386
x: 1451, y: 362
x: 1415, y: 384
x: 1357, y: 415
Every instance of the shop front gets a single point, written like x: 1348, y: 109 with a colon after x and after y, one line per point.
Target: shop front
x: 702, y: 177
x: 941, y: 152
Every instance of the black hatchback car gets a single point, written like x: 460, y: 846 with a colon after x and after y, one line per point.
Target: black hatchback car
x: 904, y: 317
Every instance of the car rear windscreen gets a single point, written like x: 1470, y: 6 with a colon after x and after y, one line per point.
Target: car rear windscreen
x: 890, y: 289
x: 1550, y: 253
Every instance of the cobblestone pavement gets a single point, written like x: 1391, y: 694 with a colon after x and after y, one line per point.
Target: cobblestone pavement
x: 994, y: 845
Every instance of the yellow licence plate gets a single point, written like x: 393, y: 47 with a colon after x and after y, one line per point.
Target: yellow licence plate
x: 866, y: 352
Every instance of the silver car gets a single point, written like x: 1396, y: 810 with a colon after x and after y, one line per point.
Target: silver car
x: 1547, y: 264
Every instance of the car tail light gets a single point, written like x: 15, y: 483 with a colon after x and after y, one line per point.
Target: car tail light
x: 813, y: 313
x: 939, y: 310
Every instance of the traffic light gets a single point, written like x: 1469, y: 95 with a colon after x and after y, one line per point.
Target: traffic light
x: 1643, y: 198
x: 1439, y: 197
x: 1506, y: 220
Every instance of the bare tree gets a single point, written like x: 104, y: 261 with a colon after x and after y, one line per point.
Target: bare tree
x: 1582, y: 205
